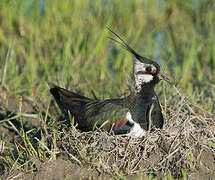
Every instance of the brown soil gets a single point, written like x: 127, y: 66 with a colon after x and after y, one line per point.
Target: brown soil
x: 56, y: 169
x: 63, y: 169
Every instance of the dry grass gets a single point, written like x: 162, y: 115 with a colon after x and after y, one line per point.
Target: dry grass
x: 187, y: 143
x: 185, y: 146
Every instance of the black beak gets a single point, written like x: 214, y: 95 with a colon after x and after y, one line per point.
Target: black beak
x: 164, y: 77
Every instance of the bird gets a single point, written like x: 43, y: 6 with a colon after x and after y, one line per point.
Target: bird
x: 133, y: 115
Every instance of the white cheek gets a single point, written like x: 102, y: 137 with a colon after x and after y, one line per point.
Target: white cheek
x: 144, y: 78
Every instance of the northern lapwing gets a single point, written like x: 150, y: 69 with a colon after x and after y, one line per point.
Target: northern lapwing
x: 133, y: 114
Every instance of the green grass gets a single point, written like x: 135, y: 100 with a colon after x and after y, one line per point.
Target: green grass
x: 65, y: 42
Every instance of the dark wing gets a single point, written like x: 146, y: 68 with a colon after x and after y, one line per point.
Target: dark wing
x: 106, y: 113
x: 157, y: 116
x: 88, y: 112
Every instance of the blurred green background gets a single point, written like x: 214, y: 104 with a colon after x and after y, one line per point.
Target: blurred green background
x: 66, y: 42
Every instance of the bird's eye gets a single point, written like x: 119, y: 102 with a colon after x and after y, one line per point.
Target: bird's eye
x: 148, y: 69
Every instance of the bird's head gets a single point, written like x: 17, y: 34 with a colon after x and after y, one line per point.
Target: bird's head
x: 145, y: 71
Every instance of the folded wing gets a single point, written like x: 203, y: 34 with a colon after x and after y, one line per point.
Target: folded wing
x: 89, y: 113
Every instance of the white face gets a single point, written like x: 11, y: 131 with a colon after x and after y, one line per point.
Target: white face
x: 142, y: 73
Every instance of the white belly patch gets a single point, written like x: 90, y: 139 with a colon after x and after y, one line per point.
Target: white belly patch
x: 136, y: 130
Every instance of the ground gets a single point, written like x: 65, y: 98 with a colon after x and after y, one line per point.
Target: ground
x: 185, y: 147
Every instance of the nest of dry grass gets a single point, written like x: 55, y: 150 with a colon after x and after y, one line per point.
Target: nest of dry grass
x: 187, y: 143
